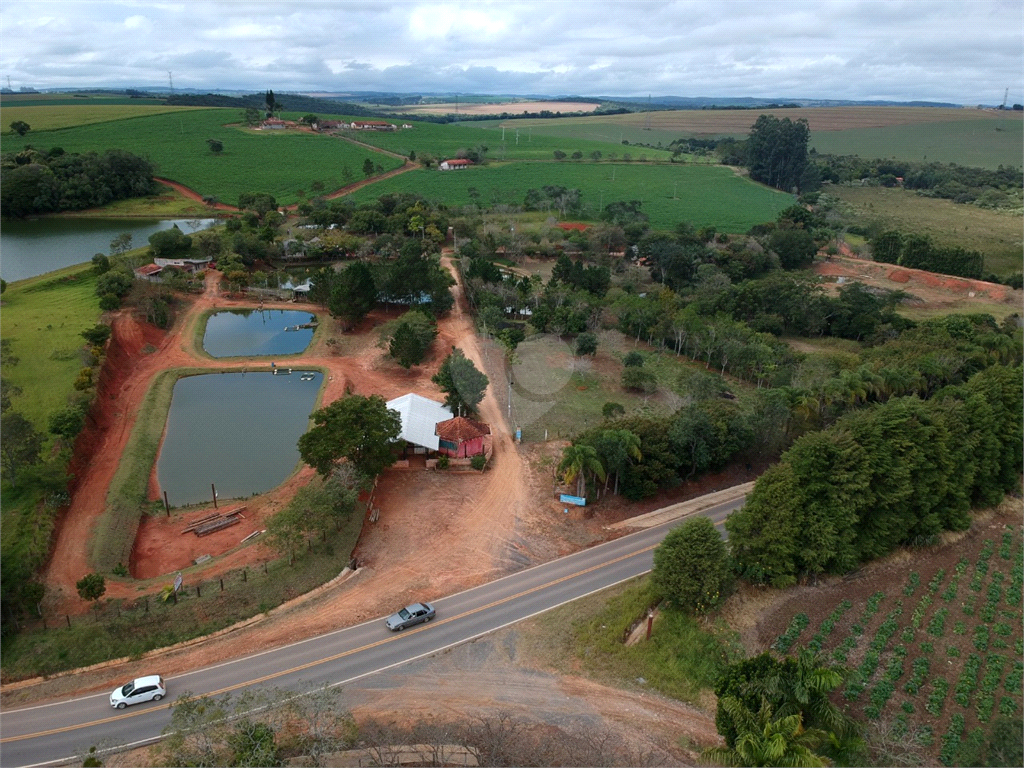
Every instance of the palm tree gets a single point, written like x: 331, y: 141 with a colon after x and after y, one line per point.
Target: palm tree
x: 576, y: 461
x: 763, y: 740
x: 618, y: 446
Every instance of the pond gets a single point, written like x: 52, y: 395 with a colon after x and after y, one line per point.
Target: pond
x: 255, y: 332
x: 39, y: 246
x: 237, y: 431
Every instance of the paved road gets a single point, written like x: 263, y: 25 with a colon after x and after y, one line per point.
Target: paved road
x: 50, y: 733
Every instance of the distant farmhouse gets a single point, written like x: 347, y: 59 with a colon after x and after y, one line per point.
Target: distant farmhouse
x: 454, y: 165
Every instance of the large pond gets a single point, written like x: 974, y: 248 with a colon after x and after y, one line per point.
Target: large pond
x: 31, y: 248
x: 265, y: 332
x: 237, y: 431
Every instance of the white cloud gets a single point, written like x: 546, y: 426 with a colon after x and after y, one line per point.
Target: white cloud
x: 937, y: 50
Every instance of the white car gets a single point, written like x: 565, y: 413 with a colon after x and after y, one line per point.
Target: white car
x: 141, y: 689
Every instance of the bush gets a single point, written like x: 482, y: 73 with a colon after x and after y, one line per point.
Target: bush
x: 478, y: 462
x: 443, y: 462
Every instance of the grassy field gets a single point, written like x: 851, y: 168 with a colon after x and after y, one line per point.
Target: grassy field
x: 967, y: 136
x: 704, y: 195
x: 996, y: 234
x: 283, y: 163
x: 975, y: 143
x: 938, y: 652
x: 42, y: 318
x: 518, y: 141
x: 50, y: 116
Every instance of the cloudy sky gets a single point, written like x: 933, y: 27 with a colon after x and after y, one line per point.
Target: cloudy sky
x: 961, y: 52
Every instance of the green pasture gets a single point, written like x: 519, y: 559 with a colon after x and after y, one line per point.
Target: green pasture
x: 606, y: 129
x: 514, y: 143
x: 704, y: 195
x: 997, y: 234
x: 49, y: 116
x: 42, y: 318
x: 973, y: 143
x: 283, y: 163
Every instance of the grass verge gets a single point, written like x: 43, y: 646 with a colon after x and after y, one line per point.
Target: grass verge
x: 130, y: 628
x: 682, y: 658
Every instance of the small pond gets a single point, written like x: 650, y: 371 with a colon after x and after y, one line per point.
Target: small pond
x: 257, y: 333
x: 238, y: 431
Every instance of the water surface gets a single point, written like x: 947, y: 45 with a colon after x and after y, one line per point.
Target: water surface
x: 37, y: 246
x: 238, y: 431
x: 252, y: 333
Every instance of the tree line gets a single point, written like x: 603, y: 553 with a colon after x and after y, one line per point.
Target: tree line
x: 34, y: 182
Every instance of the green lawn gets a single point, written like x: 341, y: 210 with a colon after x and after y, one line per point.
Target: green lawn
x: 283, y: 163
x: 42, y: 318
x: 704, y: 195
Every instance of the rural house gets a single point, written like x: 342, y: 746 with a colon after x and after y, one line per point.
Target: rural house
x: 420, y: 418
x: 372, y: 125
x: 455, y: 165
x: 461, y: 437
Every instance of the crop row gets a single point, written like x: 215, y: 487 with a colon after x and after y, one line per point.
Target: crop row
x: 951, y: 740
x: 954, y: 583
x: 796, y: 626
x: 828, y: 625
x: 981, y: 567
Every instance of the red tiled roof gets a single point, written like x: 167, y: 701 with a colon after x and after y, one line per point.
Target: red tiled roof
x: 460, y: 429
x: 459, y: 161
x: 148, y: 269
x: 573, y: 226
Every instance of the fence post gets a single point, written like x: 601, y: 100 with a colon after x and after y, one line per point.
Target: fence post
x: 245, y: 574
x: 69, y: 620
x: 222, y: 585
x: 199, y: 592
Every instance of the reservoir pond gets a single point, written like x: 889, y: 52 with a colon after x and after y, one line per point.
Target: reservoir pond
x: 258, y: 333
x: 237, y: 431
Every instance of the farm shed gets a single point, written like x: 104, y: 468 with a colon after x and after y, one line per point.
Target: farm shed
x: 461, y: 437
x: 420, y: 417
x: 372, y: 125
x: 150, y: 272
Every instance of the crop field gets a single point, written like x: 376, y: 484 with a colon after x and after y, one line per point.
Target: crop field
x: 703, y: 195
x: 490, y: 108
x: 975, y: 143
x: 50, y: 117
x: 517, y: 141
x: 935, y: 651
x: 997, y: 234
x: 983, y: 138
x: 283, y: 163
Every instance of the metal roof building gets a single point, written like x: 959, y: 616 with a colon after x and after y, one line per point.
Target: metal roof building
x: 420, y: 417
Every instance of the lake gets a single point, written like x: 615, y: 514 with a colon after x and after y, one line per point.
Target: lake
x: 38, y: 246
x: 238, y: 431
x: 262, y: 333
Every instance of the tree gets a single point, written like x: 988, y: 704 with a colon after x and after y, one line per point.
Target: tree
x: 170, y: 243
x: 353, y: 293
x: 795, y: 247
x: 261, y: 203
x: 20, y: 127
x: 639, y: 380
x: 691, y: 566
x: 272, y: 104
x: 617, y: 448
x: 67, y: 422
x: 411, y: 338
x: 121, y: 244
x: 368, y: 168
x: 559, y: 154
x: 100, y: 264
x: 577, y: 460
x: 586, y: 344
x: 251, y: 116
x: 462, y: 383
x: 92, y: 586
x: 20, y: 446
x: 360, y: 429
x: 310, y: 120
x: 216, y: 145
x: 766, y: 740
x: 777, y: 151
